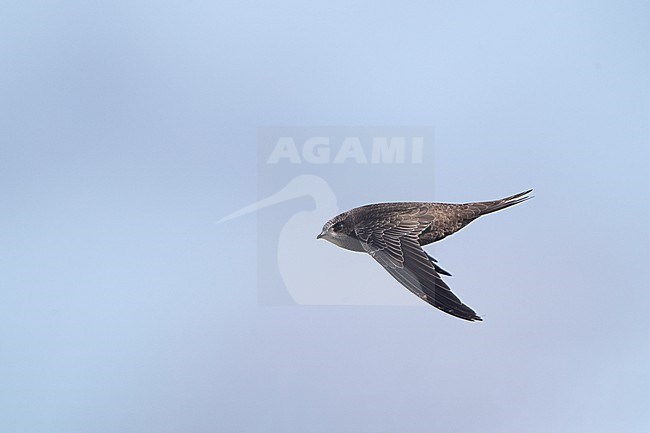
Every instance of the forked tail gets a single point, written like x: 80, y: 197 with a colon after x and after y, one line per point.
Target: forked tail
x: 487, y: 207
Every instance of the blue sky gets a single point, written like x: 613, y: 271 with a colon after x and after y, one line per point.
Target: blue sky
x: 129, y: 128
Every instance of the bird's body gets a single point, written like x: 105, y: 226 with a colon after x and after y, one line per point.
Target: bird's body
x: 394, y: 233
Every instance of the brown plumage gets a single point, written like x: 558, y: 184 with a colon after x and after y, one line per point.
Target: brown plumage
x: 394, y: 233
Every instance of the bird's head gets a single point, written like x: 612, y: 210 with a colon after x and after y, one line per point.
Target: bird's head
x: 337, y: 229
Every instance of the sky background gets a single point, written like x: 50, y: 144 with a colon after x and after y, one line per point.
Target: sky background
x: 128, y: 128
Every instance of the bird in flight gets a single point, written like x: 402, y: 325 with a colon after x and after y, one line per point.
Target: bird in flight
x: 394, y: 233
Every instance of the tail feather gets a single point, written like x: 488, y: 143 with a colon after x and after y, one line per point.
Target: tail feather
x: 436, y: 267
x: 497, y: 205
x: 486, y: 207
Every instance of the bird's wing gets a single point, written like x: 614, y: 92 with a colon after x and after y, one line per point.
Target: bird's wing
x: 393, y: 242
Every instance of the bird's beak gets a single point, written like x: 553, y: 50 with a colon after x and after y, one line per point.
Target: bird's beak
x: 321, y: 235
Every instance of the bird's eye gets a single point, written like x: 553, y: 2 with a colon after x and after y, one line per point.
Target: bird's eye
x: 337, y: 227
